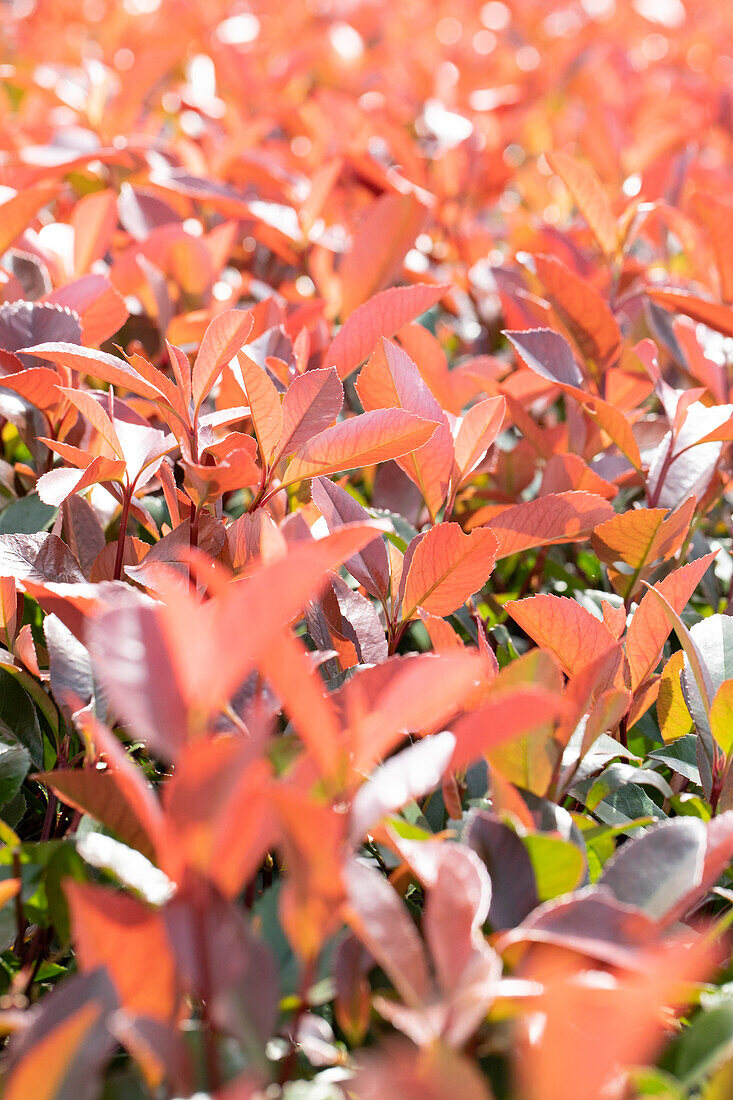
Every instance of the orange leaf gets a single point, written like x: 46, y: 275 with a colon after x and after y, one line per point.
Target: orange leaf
x: 18, y: 211
x: 94, y: 220
x: 444, y: 568
x: 95, y: 414
x: 390, y: 379
x: 718, y: 219
x: 548, y: 520
x: 601, y: 1022
x: 286, y: 665
x: 478, y: 430
x: 643, y: 535
x: 8, y: 889
x: 590, y: 199
x: 39, y: 385
x: 380, y: 242
x: 560, y: 624
x: 708, y: 313
x: 224, y: 337
x: 46, y: 1066
x: 582, y: 309
x: 614, y: 424
x: 265, y: 406
x: 649, y: 628
x: 120, y: 933
x: 568, y: 473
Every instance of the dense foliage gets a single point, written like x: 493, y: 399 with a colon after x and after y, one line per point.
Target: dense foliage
x: 366, y: 573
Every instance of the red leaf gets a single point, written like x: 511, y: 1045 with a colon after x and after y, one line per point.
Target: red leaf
x: 98, y: 364
x: 410, y: 774
x: 380, y: 920
x: 509, y: 713
x: 118, y: 798
x: 38, y: 557
x: 370, y: 567
x: 67, y: 1044
x: 55, y: 486
x: 414, y: 693
x: 101, y: 310
x: 168, y: 667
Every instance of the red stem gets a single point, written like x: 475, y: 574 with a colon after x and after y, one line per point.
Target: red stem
x: 126, y: 502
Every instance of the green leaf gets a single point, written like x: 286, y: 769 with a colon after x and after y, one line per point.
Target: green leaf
x: 65, y: 863
x: 680, y: 756
x: 267, y: 924
x: 558, y: 865
x: 649, y: 1082
x: 27, y: 516
x: 691, y: 805
x: 15, y: 762
x: 721, y: 716
x: 402, y: 532
x: 617, y: 776
x: 38, y: 695
x: 705, y: 1045
x: 19, y: 715
x: 624, y: 807
x: 599, y: 841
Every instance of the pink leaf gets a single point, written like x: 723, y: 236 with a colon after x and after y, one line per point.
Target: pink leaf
x: 363, y: 441
x: 382, y: 315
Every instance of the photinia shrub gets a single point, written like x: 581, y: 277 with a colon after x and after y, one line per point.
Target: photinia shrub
x: 366, y: 566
